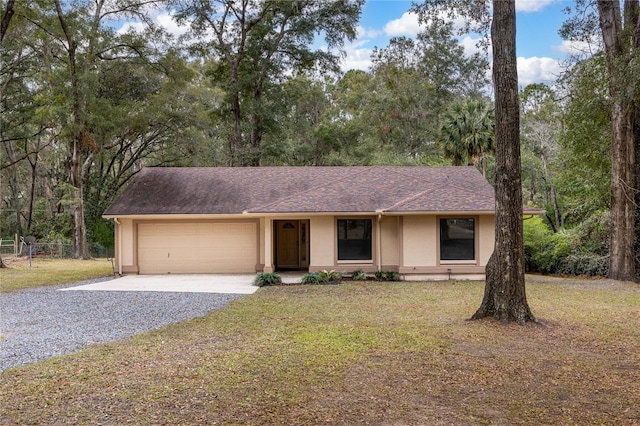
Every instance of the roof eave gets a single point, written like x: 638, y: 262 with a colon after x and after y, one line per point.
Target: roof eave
x: 247, y: 215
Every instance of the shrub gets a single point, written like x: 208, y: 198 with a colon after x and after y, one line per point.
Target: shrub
x: 310, y: 278
x: 592, y: 235
x: 321, y: 277
x: 267, y: 278
x: 544, y: 250
x: 359, y: 275
x: 387, y: 276
x: 582, y: 250
x: 536, y: 233
x: 584, y: 264
x: 329, y: 276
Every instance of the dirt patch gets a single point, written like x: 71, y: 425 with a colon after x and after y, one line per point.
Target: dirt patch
x: 600, y: 282
x: 8, y: 261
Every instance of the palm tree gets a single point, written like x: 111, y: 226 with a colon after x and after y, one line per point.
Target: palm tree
x: 467, y: 133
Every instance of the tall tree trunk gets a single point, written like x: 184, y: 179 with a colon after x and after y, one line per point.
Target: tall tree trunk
x: 618, y: 42
x: 6, y: 18
x: 633, y: 16
x: 621, y: 262
x: 13, y: 185
x: 636, y: 133
x: 32, y: 192
x: 556, y: 208
x: 552, y: 196
x: 80, y: 139
x: 505, y: 295
x: 235, y: 140
x: 256, y: 126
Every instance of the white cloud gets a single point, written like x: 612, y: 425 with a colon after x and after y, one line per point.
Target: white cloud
x: 131, y: 26
x: 532, y: 5
x: 367, y: 32
x: 406, y: 25
x: 470, y: 45
x: 166, y: 21
x: 569, y: 47
x: 538, y: 70
x: 163, y: 19
x: 357, y: 57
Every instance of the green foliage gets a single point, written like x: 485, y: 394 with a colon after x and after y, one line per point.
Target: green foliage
x: 541, y: 129
x: 584, y: 264
x: 387, y: 276
x: 584, y: 178
x: 322, y: 277
x: 266, y: 279
x: 310, y: 278
x: 359, y: 275
x: 254, y: 52
x: 592, y: 234
x: 102, y: 233
x: 51, y: 226
x: 543, y: 249
x: 582, y: 250
x: 329, y: 276
x: 467, y: 134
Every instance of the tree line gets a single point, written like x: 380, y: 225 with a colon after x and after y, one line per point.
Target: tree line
x: 86, y: 104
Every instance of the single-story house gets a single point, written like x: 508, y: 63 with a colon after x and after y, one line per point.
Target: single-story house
x: 422, y: 222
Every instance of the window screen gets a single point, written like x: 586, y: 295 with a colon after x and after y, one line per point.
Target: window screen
x: 457, y: 239
x: 354, y: 239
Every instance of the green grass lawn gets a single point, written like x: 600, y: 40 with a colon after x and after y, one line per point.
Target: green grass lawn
x: 357, y: 353
x: 43, y: 271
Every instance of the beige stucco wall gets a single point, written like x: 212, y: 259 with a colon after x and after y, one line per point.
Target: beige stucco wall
x: 389, y: 249
x: 261, y: 243
x: 125, y: 247
x: 322, y: 242
x: 408, y: 244
x: 419, y: 241
x: 486, y: 237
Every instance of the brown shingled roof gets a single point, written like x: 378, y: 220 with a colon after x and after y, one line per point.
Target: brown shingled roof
x: 230, y: 190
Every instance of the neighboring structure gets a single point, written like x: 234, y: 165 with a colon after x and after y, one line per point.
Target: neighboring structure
x: 423, y: 222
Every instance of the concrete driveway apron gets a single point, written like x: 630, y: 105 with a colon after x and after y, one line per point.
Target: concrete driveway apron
x: 227, y: 284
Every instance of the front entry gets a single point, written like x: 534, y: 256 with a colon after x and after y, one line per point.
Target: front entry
x: 291, y: 244
x: 288, y: 244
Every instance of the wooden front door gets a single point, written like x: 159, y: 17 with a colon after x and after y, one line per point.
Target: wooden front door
x: 287, y: 241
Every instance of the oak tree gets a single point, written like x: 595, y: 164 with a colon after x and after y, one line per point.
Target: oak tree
x: 505, y: 296
x: 621, y: 34
x: 253, y: 45
x: 616, y: 24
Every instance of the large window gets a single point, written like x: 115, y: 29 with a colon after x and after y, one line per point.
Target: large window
x: 457, y: 239
x: 354, y: 239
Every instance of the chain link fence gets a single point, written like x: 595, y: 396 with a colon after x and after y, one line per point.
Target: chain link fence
x: 53, y: 250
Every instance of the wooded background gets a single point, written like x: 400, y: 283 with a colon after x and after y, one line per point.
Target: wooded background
x: 85, y: 106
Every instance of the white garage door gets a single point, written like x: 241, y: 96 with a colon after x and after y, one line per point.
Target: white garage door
x: 197, y: 248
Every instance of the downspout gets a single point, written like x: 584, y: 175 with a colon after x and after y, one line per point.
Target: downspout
x: 379, y: 241
x: 119, y: 227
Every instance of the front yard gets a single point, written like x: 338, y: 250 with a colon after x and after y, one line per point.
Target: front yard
x: 357, y: 353
x: 19, y: 275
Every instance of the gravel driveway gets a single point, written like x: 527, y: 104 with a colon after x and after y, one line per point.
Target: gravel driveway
x: 44, y: 322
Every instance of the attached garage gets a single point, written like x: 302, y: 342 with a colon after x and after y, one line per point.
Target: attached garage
x: 197, y: 247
